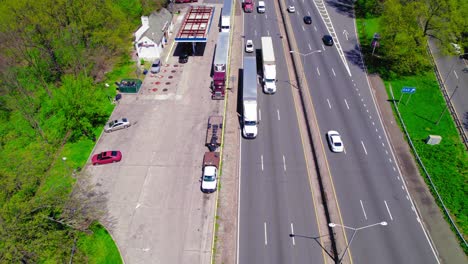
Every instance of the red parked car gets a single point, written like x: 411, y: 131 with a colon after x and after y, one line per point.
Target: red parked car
x: 107, y: 157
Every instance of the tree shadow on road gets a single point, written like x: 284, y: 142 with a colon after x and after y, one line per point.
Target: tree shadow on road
x: 344, y: 7
x: 354, y: 56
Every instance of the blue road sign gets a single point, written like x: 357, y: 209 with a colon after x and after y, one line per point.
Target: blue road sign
x: 408, y: 90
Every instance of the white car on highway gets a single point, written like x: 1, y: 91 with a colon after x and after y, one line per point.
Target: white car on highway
x: 249, y: 46
x: 291, y: 9
x: 335, y: 142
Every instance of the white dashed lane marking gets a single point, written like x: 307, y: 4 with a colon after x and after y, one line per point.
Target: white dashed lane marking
x: 388, y: 210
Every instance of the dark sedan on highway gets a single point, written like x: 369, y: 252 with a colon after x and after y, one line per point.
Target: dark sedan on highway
x: 327, y: 40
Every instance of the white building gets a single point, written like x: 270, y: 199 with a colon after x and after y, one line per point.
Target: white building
x: 151, y: 37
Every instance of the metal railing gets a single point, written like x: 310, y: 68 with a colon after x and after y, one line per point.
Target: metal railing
x: 450, y: 107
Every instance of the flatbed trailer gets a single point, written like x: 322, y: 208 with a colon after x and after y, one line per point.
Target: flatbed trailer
x: 214, y: 132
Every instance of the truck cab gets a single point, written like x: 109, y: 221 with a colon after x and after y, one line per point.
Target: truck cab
x: 250, y: 129
x: 219, y: 81
x: 248, y: 6
x: 269, y: 82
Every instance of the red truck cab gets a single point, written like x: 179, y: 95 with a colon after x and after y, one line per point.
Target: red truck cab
x: 248, y: 6
x: 219, y: 82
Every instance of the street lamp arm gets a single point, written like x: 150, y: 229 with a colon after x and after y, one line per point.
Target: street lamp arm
x: 307, y: 54
x: 381, y: 223
x: 355, y: 230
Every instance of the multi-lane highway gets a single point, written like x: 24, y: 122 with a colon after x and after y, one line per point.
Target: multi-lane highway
x: 274, y: 191
x: 275, y: 196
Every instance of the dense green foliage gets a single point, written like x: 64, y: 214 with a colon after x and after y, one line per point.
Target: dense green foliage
x: 53, y: 54
x: 404, y: 29
x: 368, y: 8
x: 447, y: 163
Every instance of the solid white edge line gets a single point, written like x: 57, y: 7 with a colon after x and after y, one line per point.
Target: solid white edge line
x: 292, y: 232
x: 388, y: 210
x: 364, y: 147
x: 364, y: 211
x: 239, y: 196
x: 266, y: 238
x: 239, y: 170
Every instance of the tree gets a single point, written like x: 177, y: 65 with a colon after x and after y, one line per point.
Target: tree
x: 403, y: 43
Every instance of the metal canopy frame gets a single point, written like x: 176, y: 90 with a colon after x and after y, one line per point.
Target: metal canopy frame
x: 196, y: 24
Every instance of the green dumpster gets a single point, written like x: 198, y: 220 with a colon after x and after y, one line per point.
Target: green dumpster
x: 129, y: 85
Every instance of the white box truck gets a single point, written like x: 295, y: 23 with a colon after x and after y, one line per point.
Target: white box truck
x: 249, y: 98
x: 226, y: 16
x: 269, y: 66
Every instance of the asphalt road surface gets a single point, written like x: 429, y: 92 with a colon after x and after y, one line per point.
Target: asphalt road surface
x: 275, y: 195
x: 368, y: 184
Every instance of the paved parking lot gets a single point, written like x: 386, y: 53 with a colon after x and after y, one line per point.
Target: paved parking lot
x: 156, y: 211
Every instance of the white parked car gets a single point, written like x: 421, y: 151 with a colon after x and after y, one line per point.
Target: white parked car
x: 291, y: 9
x: 209, y: 181
x: 116, y: 125
x: 249, y: 46
x: 334, y: 140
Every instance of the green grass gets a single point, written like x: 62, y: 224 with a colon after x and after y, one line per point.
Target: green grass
x: 99, y: 247
x: 447, y: 163
x: 367, y: 27
x: 126, y: 68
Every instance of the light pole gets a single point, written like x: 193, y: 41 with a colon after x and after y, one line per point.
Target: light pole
x: 445, y: 82
x: 354, y: 233
x: 303, y: 55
